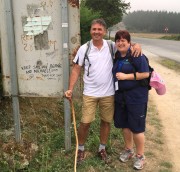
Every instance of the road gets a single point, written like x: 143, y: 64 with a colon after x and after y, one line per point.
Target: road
x: 163, y: 48
x: 168, y: 109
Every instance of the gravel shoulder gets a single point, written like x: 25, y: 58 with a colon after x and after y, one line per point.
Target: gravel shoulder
x: 168, y: 107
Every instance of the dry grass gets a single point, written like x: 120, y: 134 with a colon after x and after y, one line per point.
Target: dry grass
x: 150, y: 35
x: 42, y: 116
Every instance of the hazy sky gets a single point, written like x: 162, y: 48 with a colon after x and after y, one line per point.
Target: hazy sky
x: 160, y: 5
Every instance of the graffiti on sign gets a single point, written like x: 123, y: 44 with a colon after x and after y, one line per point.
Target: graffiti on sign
x: 48, y: 71
x: 47, y: 3
x: 52, y: 54
x: 38, y: 42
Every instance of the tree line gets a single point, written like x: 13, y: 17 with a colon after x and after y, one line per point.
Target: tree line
x: 111, y: 11
x: 153, y: 21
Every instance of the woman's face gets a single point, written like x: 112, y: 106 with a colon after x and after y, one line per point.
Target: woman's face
x: 122, y: 45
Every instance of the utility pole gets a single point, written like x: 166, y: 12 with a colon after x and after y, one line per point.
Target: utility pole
x: 13, y: 68
x: 65, y: 47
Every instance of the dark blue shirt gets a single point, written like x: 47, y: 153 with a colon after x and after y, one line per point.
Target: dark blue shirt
x: 131, y: 91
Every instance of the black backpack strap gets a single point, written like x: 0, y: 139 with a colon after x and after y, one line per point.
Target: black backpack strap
x: 143, y: 82
x: 130, y: 60
x: 87, y: 51
x: 111, y: 48
x: 146, y: 81
x: 86, y: 56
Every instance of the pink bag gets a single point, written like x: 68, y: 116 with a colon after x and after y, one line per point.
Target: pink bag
x: 157, y: 83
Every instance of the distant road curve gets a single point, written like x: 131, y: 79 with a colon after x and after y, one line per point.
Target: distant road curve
x: 164, y: 48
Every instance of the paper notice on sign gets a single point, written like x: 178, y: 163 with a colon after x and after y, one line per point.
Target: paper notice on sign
x: 37, y: 25
x: 65, y: 45
x: 64, y: 24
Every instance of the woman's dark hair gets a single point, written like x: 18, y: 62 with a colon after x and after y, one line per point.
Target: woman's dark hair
x: 123, y: 34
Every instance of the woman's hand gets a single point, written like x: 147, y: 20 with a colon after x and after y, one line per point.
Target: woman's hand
x: 121, y: 76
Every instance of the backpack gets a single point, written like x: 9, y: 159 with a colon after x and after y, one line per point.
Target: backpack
x: 111, y: 49
x: 144, y: 82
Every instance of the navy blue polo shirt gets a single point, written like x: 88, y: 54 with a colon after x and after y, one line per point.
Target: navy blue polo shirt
x: 135, y: 94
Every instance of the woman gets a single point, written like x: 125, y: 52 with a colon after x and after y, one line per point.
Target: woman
x: 130, y: 98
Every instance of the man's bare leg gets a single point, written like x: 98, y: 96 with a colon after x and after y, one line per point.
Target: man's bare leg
x: 104, y: 131
x: 83, y: 132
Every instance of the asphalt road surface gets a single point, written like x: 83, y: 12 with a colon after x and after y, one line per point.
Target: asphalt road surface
x: 163, y: 48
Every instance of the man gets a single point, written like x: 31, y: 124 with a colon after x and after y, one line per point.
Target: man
x: 98, y: 87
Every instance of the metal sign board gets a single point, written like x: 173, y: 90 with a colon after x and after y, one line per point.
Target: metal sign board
x: 38, y: 47
x: 38, y: 41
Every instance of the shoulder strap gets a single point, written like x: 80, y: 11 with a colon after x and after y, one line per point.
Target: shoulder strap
x: 87, y: 51
x: 144, y: 82
x: 130, y: 60
x: 86, y: 56
x: 150, y: 68
x: 111, y: 48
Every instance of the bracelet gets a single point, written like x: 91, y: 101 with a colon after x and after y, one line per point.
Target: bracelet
x: 134, y: 75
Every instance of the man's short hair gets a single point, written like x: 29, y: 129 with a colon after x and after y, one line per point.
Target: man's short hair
x: 99, y: 21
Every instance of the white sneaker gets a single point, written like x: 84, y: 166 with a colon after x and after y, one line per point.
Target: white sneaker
x: 139, y: 162
x: 126, y: 155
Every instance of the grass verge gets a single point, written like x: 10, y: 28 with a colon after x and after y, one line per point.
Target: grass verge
x: 42, y: 149
x: 166, y: 36
x: 171, y: 64
x: 172, y: 37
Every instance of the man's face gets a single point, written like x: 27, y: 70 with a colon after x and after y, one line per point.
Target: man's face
x: 97, y: 32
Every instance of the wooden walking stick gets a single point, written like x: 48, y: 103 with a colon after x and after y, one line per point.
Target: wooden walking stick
x: 75, y: 131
